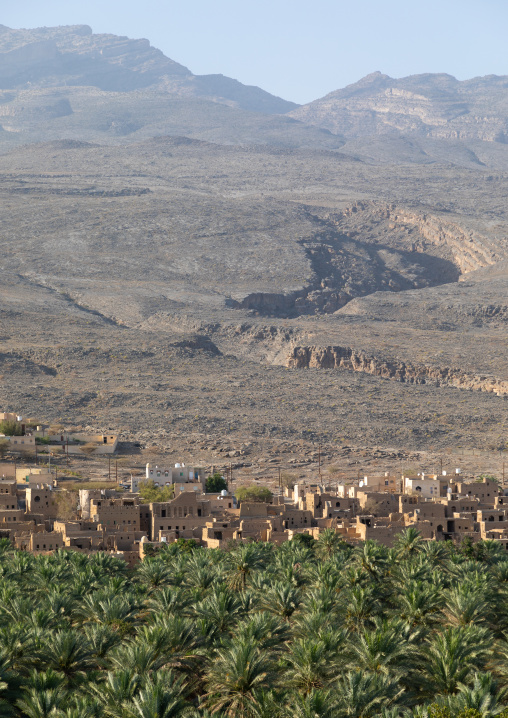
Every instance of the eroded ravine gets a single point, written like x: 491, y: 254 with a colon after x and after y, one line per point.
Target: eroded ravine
x: 370, y: 247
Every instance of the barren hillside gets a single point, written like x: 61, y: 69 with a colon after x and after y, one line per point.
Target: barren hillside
x: 210, y: 277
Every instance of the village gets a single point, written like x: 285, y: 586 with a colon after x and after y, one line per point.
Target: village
x: 40, y: 514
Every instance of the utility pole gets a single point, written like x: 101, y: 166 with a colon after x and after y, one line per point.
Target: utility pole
x: 231, y: 472
x: 319, y: 460
x: 441, y: 463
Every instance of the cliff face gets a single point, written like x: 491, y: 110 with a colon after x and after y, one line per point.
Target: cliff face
x: 335, y: 357
x: 470, y: 251
x: 75, y: 56
x: 437, y: 106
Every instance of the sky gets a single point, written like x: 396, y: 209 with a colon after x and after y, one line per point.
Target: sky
x: 299, y: 50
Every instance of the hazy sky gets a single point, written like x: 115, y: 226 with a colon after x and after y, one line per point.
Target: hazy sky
x: 299, y: 50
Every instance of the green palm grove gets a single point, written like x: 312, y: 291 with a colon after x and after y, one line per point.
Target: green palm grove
x: 310, y: 629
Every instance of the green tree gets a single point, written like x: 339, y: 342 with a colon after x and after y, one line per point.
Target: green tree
x: 150, y: 493
x: 328, y: 543
x: 365, y: 694
x: 4, y: 447
x: 241, y: 562
x: 10, y: 427
x: 163, y: 696
x: 452, y: 656
x: 236, y: 673
x: 281, y: 599
x: 215, y: 484
x: 259, y: 494
x: 311, y: 665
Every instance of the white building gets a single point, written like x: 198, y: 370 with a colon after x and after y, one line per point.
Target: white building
x: 184, y: 478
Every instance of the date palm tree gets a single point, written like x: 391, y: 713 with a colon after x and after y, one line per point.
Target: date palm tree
x: 42, y: 704
x: 318, y: 703
x: 241, y: 562
x: 328, y: 543
x: 372, y: 558
x: 451, y: 656
x: 465, y: 604
x: 385, y: 649
x: 417, y: 604
x: 118, y: 689
x: 408, y: 543
x: 154, y: 574
x: 269, y: 632
x: 360, y: 607
x: 312, y: 663
x: 281, y: 599
x: 162, y: 696
x: 118, y: 611
x: 79, y: 708
x: 168, y: 600
x: 236, y: 672
x: 137, y: 657
x: 321, y: 599
x: 18, y: 647
x: 68, y: 653
x: 483, y: 696
x: 362, y: 695
x: 101, y: 641
x: 175, y: 640
x: 220, y: 610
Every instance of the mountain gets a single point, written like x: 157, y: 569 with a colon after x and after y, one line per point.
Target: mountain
x: 425, y: 106
x: 75, y: 56
x: 181, y: 261
x: 67, y: 82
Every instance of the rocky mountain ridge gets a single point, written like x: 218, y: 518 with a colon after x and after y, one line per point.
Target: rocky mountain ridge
x: 73, y: 56
x: 428, y: 105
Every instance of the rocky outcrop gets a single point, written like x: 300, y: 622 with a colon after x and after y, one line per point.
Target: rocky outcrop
x: 470, y: 250
x: 337, y: 357
x: 429, y: 105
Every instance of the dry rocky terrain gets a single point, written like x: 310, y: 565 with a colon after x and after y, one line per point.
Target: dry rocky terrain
x: 243, y: 286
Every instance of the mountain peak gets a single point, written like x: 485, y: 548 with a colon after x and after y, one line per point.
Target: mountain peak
x: 73, y: 55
